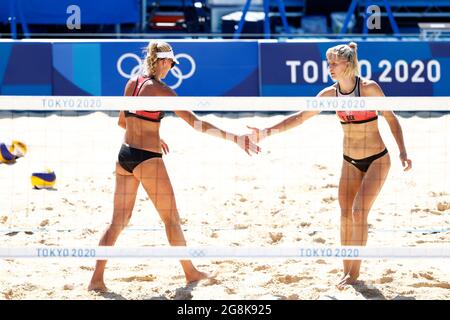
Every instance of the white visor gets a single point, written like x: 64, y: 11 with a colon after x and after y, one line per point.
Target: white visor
x: 167, y: 55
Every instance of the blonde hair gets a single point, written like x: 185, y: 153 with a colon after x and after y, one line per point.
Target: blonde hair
x: 348, y: 53
x: 150, y: 55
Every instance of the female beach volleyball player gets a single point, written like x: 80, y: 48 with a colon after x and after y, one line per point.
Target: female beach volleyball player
x: 140, y: 160
x: 366, y: 160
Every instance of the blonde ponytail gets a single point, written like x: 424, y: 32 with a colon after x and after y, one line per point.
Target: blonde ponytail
x: 348, y: 53
x: 151, y: 58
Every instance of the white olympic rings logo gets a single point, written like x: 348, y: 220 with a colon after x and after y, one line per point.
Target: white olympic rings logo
x: 175, y: 71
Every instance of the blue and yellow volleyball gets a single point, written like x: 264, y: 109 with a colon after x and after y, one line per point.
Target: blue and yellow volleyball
x: 6, y: 155
x: 18, y: 148
x: 43, y: 180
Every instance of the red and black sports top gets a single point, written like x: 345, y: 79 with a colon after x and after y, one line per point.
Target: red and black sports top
x: 354, y: 116
x: 154, y: 116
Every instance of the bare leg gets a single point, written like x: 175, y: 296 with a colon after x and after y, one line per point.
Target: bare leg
x: 124, y: 199
x: 349, y: 184
x: 155, y: 180
x: 371, y: 186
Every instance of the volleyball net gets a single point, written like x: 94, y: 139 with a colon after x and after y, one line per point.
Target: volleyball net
x: 282, y: 203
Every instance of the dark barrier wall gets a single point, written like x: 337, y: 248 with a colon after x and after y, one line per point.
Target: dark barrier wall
x: 219, y: 68
x: 55, y: 11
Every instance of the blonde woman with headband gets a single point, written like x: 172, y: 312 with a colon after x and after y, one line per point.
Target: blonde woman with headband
x: 366, y: 160
x: 140, y: 160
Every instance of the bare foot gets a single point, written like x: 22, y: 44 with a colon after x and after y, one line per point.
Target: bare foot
x: 197, y: 276
x: 346, y: 281
x: 97, y: 287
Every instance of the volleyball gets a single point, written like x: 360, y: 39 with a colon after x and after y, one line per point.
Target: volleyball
x: 43, y: 180
x: 18, y: 148
x: 6, y: 156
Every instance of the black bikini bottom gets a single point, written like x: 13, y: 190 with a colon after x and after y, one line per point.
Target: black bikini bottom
x: 130, y: 158
x: 364, y: 164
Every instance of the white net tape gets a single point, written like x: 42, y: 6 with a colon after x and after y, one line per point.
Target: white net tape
x: 52, y: 103
x: 347, y: 252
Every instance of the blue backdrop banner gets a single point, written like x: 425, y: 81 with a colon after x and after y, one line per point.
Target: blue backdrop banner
x: 205, y: 69
x: 219, y: 68
x: 25, y: 68
x: 400, y: 68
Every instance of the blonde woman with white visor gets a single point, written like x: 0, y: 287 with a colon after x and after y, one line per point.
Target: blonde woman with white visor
x: 366, y: 160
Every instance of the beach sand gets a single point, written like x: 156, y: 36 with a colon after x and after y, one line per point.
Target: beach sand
x: 286, y: 196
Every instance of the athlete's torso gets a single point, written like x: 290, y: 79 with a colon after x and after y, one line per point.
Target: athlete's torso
x: 357, y: 117
x: 142, y: 126
x: 361, y: 135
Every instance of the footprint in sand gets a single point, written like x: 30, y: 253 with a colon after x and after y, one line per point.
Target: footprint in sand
x: 214, y: 235
x: 88, y: 232
x: 443, y: 285
x: 241, y: 197
x: 9, y: 295
x: 438, y: 194
x: 44, y: 223
x: 319, y: 240
x: 385, y: 279
x: 148, y: 278
x: 230, y: 290
x: 274, y: 211
x: 68, y: 287
x: 334, y: 271
x: 261, y: 268
x: 428, y: 275
x: 288, y: 279
x: 211, y: 282
x: 275, y: 236
x: 305, y: 224
x: 329, y: 199
x: 442, y: 206
x: 321, y: 261
x: 388, y: 272
x: 87, y: 268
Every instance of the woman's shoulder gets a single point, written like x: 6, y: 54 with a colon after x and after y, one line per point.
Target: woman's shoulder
x: 328, y: 91
x: 369, y: 86
x: 367, y: 83
x: 154, y: 87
